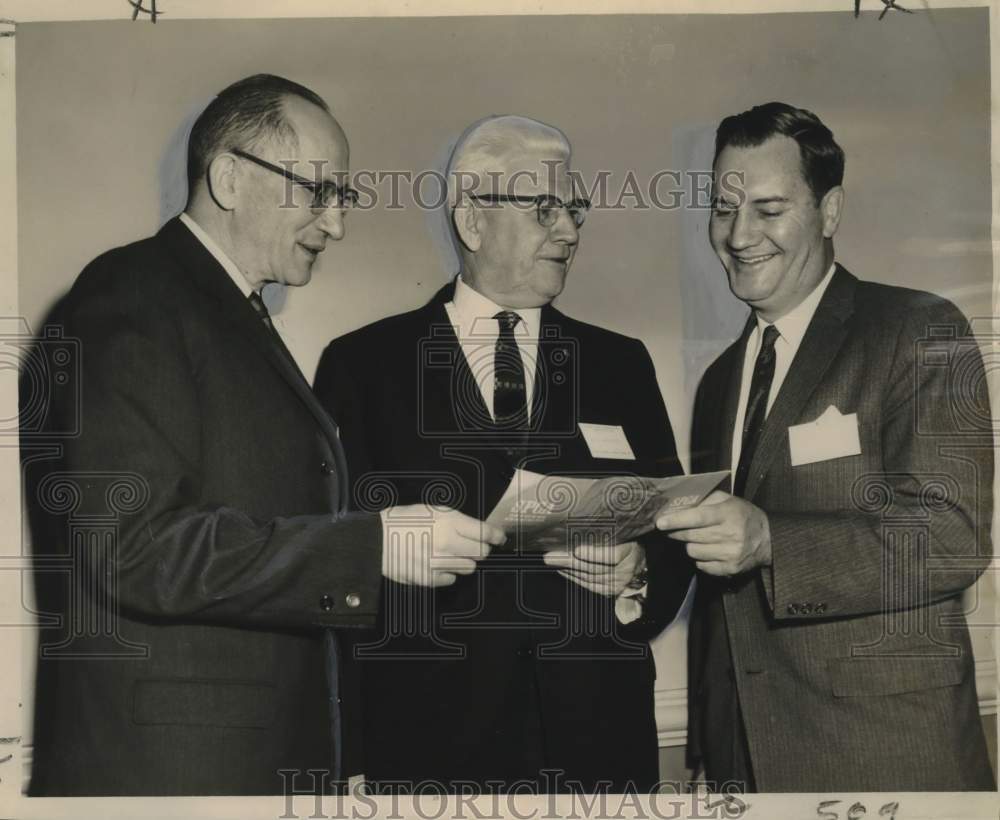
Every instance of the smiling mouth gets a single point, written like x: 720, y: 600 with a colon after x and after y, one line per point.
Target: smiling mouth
x: 754, y: 260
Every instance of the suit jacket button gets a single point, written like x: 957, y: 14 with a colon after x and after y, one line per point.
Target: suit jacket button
x: 326, y: 603
x: 353, y: 600
x: 819, y: 609
x: 806, y: 609
x: 325, y: 468
x: 524, y: 652
x: 793, y: 609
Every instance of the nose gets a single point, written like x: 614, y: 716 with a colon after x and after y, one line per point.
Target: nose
x: 564, y: 229
x: 331, y: 222
x: 743, y: 230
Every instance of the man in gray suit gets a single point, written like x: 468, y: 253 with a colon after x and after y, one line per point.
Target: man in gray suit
x: 829, y: 650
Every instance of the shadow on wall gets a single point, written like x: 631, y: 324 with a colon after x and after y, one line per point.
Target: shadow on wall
x: 174, y: 191
x: 712, y: 316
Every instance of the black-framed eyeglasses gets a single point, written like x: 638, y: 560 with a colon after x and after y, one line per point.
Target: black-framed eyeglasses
x: 326, y: 194
x: 547, y: 207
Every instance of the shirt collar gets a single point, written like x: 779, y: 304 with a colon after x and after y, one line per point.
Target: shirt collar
x: 220, y: 255
x: 474, y: 313
x: 793, y: 325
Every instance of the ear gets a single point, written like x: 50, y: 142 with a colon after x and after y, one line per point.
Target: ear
x: 832, y: 206
x: 222, y: 181
x: 468, y: 224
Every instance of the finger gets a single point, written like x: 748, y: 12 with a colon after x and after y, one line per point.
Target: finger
x: 582, y: 568
x: 476, y: 530
x: 705, y: 535
x: 603, y: 555
x: 605, y: 585
x: 712, y: 552
x: 717, y: 568
x: 461, y: 566
x: 493, y: 535
x: 716, y: 497
x: 464, y: 548
x: 692, y: 517
x: 600, y: 589
x: 441, y: 579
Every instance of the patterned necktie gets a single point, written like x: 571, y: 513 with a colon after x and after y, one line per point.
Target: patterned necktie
x: 753, y: 422
x: 510, y: 396
x: 257, y: 303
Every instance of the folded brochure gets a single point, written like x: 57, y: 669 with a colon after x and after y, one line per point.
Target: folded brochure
x: 548, y: 512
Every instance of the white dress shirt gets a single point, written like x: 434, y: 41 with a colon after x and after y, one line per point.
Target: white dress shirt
x: 228, y: 265
x: 471, y: 314
x: 791, y: 329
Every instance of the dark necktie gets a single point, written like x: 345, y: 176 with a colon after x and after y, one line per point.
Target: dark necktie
x: 510, y: 396
x: 753, y: 421
x: 261, y: 310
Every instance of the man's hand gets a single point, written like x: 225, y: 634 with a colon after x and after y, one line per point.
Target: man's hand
x: 604, y: 570
x: 725, y: 535
x: 429, y: 547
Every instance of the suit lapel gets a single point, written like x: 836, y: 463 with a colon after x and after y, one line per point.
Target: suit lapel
x: 552, y: 407
x: 453, y: 392
x: 453, y: 403
x: 820, y: 345
x: 733, y: 376
x: 235, y: 310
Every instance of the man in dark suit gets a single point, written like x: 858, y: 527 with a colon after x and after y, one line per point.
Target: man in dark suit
x: 533, y: 673
x: 829, y: 650
x: 202, y: 503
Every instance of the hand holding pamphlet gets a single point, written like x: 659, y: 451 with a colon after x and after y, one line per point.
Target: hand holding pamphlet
x: 546, y: 512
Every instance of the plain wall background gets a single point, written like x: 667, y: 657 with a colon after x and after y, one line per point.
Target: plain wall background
x: 102, y: 110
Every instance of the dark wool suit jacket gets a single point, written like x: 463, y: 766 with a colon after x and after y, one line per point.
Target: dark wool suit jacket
x: 202, y: 505
x: 512, y: 669
x: 850, y: 654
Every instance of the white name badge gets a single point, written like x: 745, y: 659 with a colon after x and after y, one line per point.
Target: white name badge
x: 607, y: 441
x: 831, y: 436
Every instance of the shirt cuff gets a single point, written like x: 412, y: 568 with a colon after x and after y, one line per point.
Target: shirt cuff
x: 628, y: 605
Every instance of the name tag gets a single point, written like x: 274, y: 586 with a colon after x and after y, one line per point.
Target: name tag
x: 831, y: 436
x: 607, y: 441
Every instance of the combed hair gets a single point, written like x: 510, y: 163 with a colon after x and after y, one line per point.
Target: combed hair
x: 822, y: 158
x: 244, y: 115
x: 487, y: 144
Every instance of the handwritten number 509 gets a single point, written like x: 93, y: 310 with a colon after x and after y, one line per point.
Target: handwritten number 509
x: 825, y: 811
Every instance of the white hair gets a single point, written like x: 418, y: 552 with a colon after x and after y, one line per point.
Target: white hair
x: 491, y: 143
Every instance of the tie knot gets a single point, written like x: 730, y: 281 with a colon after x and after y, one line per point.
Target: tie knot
x: 770, y: 337
x: 258, y: 305
x: 508, y: 319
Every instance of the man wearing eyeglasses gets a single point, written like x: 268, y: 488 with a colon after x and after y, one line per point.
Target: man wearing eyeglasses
x: 533, y: 673
x: 228, y: 557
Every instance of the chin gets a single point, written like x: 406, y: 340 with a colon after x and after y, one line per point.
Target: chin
x: 749, y: 289
x: 299, y: 279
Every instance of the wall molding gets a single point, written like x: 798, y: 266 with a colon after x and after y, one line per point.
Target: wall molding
x: 671, y: 716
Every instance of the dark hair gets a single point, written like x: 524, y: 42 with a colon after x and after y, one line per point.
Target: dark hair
x: 243, y: 115
x: 822, y: 159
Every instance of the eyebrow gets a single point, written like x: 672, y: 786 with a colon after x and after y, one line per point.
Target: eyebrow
x: 764, y: 200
